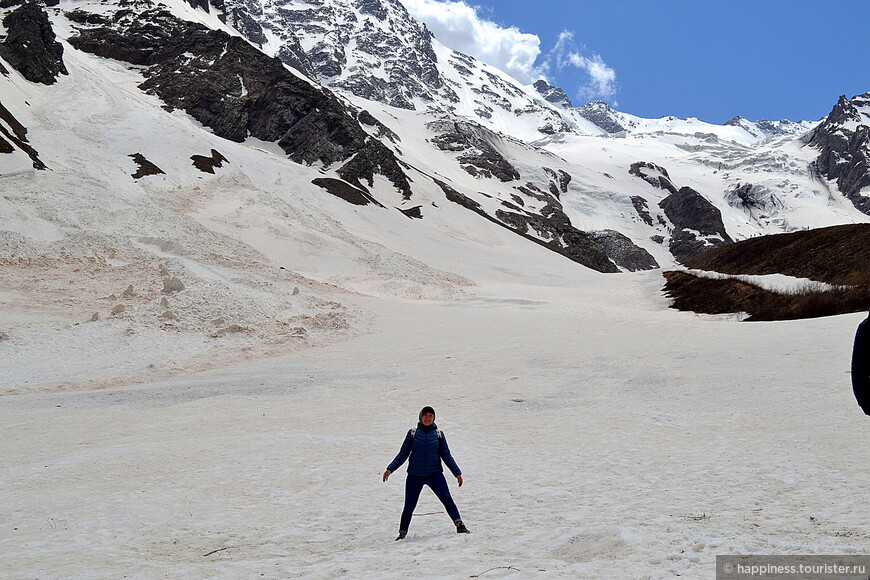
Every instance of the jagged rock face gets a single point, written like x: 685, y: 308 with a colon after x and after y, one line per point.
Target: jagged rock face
x: 30, y: 46
x: 697, y: 223
x: 236, y: 90
x: 535, y: 211
x: 375, y: 50
x: 552, y: 228
x: 553, y: 94
x: 602, y: 115
x: 205, y: 5
x: 623, y: 251
x: 642, y: 208
x: 843, y: 139
x: 374, y: 158
x: 554, y: 231
x: 370, y: 48
x: 13, y: 135
x: 226, y: 84
x: 478, y: 156
x: 653, y: 174
x: 559, y: 181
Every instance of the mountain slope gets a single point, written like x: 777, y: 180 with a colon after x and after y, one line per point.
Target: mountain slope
x: 755, y: 173
x: 843, y: 140
x: 829, y: 263
x: 373, y: 49
x: 648, y: 195
x: 834, y: 255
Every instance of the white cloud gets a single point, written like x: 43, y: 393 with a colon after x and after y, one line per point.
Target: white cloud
x: 602, y: 78
x: 458, y: 25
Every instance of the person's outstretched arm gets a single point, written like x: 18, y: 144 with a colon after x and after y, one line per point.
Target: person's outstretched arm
x: 404, y: 452
x: 444, y: 450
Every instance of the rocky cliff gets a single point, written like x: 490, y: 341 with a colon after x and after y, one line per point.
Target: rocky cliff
x: 30, y: 45
x: 236, y: 90
x: 843, y: 140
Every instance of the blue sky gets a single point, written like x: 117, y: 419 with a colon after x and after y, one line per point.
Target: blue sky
x: 762, y: 59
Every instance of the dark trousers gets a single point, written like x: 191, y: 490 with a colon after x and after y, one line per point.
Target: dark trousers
x: 414, y: 485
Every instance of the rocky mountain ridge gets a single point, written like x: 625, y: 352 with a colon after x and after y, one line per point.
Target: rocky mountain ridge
x: 843, y: 139
x: 428, y: 129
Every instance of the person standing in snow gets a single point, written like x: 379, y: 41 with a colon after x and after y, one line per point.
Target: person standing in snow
x: 426, y: 446
x: 861, y: 366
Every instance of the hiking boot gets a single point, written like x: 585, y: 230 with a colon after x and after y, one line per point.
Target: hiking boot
x: 461, y: 529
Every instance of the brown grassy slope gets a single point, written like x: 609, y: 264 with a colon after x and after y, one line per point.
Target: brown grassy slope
x: 836, y: 255
x: 709, y: 296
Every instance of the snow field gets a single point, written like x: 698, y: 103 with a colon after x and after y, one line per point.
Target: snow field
x: 600, y: 434
x: 634, y: 443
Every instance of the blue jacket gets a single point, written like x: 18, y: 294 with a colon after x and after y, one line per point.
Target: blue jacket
x: 861, y: 366
x: 426, y: 450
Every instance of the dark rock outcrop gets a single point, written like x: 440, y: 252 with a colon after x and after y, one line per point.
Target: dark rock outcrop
x: 345, y: 191
x: 642, y: 208
x: 653, y: 174
x: 479, y: 155
x: 375, y: 157
x: 145, y: 167
x: 553, y: 229
x: 624, y: 253
x: 560, y: 180
x: 208, y: 164
x: 489, y: 163
x: 206, y: 6
x: 553, y: 94
x: 245, y: 22
x: 381, y: 130
x: 228, y: 85
x: 6, y: 146
x: 697, y: 223
x: 14, y: 135
x: 31, y: 46
x: 602, y: 115
x: 563, y: 238
x: 413, y: 212
x: 843, y: 140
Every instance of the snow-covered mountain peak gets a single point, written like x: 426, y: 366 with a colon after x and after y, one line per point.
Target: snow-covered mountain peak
x: 843, y: 140
x: 552, y: 94
x: 604, y: 116
x: 849, y: 114
x: 763, y: 129
x: 374, y: 50
x: 370, y: 48
x: 437, y: 129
